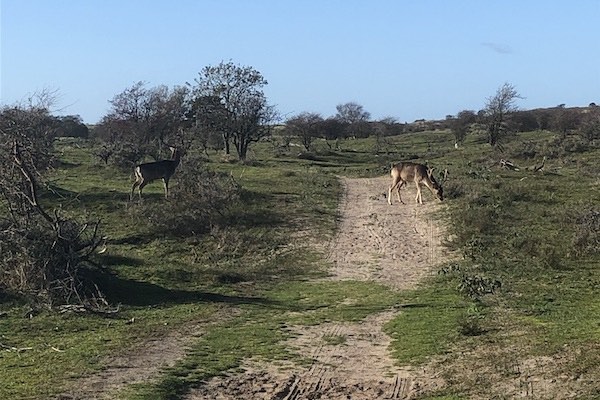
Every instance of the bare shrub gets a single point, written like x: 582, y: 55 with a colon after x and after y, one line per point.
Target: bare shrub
x: 48, y: 264
x: 454, y: 189
x: 586, y: 240
x: 199, y: 200
x: 44, y: 254
x: 476, y: 286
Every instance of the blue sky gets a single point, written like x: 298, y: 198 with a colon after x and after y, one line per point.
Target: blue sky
x: 402, y: 59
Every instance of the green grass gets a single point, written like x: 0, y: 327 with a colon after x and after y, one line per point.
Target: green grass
x: 261, y: 328
x: 428, y: 324
x: 512, y: 226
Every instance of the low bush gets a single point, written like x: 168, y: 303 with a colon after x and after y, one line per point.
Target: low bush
x: 197, y: 202
x: 48, y: 265
x: 586, y: 239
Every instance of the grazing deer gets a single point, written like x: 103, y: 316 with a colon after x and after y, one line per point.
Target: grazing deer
x: 148, y: 172
x: 405, y: 172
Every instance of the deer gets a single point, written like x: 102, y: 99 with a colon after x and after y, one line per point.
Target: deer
x: 148, y: 172
x: 405, y: 172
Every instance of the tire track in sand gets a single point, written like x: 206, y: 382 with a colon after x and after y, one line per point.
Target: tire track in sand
x: 395, y: 245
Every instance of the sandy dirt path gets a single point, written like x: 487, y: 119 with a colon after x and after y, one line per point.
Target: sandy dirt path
x: 395, y: 245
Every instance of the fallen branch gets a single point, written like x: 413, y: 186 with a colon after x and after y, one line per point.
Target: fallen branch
x: 56, y: 349
x: 17, y: 349
x: 538, y: 168
x: 508, y: 165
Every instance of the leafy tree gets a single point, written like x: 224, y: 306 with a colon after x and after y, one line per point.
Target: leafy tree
x: 305, y: 126
x: 209, y: 127
x: 497, y: 112
x: 247, y: 116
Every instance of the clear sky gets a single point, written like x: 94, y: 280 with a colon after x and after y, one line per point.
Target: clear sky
x: 397, y: 58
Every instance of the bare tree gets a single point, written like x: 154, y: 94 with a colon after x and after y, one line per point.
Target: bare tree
x: 382, y: 129
x: 247, y: 116
x: 590, y: 125
x: 355, y: 117
x: 351, y: 113
x: 497, y: 111
x: 305, y: 126
x: 332, y: 129
x: 142, y: 119
x: 565, y: 120
x: 461, y: 124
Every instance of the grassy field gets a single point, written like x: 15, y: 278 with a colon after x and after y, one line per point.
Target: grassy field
x: 523, y: 283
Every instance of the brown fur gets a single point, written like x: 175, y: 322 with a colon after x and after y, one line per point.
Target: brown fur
x: 148, y: 172
x: 405, y: 172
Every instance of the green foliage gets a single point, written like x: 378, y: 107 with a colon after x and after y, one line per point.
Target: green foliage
x: 246, y: 275
x: 427, y: 324
x: 260, y: 330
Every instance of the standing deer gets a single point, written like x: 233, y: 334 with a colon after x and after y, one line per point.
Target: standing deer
x: 148, y: 172
x: 405, y: 172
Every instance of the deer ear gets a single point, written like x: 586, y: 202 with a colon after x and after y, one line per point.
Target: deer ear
x: 430, y: 172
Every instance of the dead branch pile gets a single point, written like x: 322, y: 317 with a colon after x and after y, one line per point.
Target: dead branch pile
x: 45, y: 256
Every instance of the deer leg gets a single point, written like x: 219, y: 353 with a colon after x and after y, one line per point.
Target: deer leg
x: 166, y: 184
x: 141, y: 186
x: 395, y: 185
x: 135, y: 184
x: 392, y: 186
x: 398, y: 191
x: 429, y: 187
x: 419, y: 198
x: 139, y: 183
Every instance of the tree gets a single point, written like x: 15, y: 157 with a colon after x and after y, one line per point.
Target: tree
x: 332, y: 129
x: 209, y: 126
x: 352, y: 113
x: 355, y: 117
x: 382, y: 129
x: 246, y: 116
x: 306, y: 126
x: 565, y: 120
x: 497, y: 111
x: 142, y: 120
x: 461, y: 124
x: 72, y: 126
x: 590, y: 126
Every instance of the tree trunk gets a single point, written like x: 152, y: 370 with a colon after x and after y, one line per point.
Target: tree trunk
x: 226, y: 143
x: 242, y: 149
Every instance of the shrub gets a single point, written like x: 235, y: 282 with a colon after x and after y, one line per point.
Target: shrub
x: 197, y: 202
x: 476, y: 286
x: 47, y: 264
x: 586, y: 239
x: 44, y: 254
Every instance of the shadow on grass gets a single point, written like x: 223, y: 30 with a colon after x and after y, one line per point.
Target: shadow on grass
x: 139, y: 294
x: 139, y: 239
x: 115, y: 259
x: 101, y: 195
